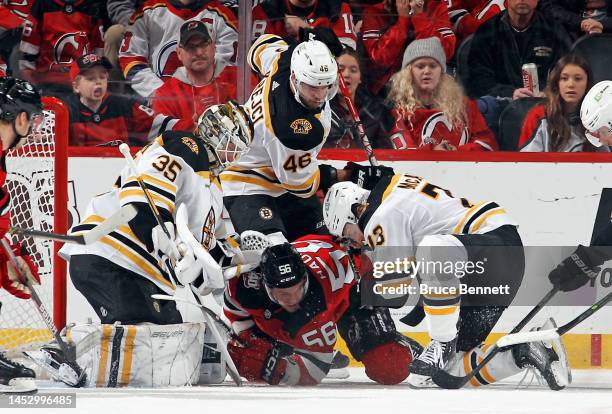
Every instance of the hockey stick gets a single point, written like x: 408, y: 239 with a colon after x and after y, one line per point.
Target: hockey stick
x: 125, y: 214
x: 125, y: 150
x: 445, y: 380
x: 79, y: 377
x: 355, y: 114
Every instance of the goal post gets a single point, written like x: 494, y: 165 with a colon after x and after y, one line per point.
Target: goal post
x: 37, y: 181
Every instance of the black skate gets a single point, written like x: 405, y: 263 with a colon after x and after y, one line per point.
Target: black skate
x: 433, y: 359
x: 52, y: 360
x: 14, y: 377
x: 547, y: 359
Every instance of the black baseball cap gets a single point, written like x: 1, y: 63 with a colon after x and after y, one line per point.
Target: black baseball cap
x: 192, y: 28
x: 87, y: 62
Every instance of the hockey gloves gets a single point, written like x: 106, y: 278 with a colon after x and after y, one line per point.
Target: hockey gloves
x: 577, y: 269
x: 367, y: 176
x: 259, y: 359
x: 325, y: 35
x: 11, y: 279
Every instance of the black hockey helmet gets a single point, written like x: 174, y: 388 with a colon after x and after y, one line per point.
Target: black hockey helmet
x: 18, y: 96
x: 282, y: 266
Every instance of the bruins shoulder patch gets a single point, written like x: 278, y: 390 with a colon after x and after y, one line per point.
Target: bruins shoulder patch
x: 301, y: 126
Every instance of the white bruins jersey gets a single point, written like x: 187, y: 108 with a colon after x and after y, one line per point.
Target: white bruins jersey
x: 287, y: 136
x: 175, y: 170
x: 403, y: 209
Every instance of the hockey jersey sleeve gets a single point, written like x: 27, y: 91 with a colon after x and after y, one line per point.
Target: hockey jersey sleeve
x: 5, y: 201
x: 533, y: 132
x: 147, y: 124
x: 134, y: 57
x: 225, y: 33
x: 265, y: 52
x: 481, y: 138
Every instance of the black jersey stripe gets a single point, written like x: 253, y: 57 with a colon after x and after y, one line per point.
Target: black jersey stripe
x: 476, y: 215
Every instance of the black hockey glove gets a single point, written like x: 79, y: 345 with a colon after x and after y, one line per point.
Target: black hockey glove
x: 576, y: 270
x: 367, y: 176
x: 325, y: 35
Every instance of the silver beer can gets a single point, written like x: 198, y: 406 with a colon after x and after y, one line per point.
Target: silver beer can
x: 530, y: 77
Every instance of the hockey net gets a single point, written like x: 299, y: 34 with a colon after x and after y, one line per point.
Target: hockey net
x: 37, y: 183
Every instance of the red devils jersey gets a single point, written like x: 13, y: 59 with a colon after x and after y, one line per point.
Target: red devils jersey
x: 180, y: 99
x: 118, y: 118
x: 427, y: 128
x: 467, y: 15
x: 13, y: 13
x: 269, y: 17
x: 312, y: 328
x: 386, y: 39
x: 59, y: 33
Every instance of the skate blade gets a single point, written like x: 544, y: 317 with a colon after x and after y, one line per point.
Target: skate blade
x: 338, y: 373
x: 58, y: 371
x: 19, y: 386
x: 419, y: 381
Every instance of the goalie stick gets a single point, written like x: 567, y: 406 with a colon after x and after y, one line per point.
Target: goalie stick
x: 233, y: 371
x: 445, y: 380
x: 69, y: 373
x: 124, y: 215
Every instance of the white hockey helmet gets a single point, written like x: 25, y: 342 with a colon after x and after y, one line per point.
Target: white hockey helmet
x: 596, y: 111
x: 313, y: 64
x: 338, y: 205
x: 227, y: 132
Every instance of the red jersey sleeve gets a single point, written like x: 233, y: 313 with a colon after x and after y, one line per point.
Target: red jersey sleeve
x: 481, y: 138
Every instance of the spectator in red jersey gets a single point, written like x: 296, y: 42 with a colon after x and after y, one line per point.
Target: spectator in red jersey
x: 286, y: 17
x: 148, y: 52
x: 374, y: 115
x: 97, y: 117
x: 555, y: 125
x: 467, y: 15
x: 59, y: 33
x: 431, y: 110
x: 13, y: 17
x: 389, y: 27
x: 196, y: 85
x: 580, y: 17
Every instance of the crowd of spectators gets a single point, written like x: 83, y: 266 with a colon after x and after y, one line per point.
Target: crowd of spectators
x: 129, y: 69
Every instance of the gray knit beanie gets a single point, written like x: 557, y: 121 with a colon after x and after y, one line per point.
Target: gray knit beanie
x: 430, y: 47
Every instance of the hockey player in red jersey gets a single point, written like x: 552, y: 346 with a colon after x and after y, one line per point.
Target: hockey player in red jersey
x: 20, y: 113
x: 467, y: 15
x: 285, y: 318
x: 286, y: 17
x: 390, y: 26
x: 96, y: 116
x: 60, y: 32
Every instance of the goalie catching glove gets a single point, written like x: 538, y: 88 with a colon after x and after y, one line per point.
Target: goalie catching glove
x: 11, y: 278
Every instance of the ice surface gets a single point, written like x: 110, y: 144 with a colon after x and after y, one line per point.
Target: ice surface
x: 590, y: 393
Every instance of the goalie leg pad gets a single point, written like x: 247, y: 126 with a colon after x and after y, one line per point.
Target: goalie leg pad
x: 139, y: 355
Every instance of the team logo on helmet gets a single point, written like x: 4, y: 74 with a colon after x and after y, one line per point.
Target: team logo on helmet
x: 301, y: 126
x: 265, y: 213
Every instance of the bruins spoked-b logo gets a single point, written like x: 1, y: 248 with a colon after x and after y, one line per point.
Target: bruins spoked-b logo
x: 301, y: 126
x: 265, y: 213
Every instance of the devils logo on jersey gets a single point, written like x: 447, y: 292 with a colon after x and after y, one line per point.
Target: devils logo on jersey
x: 167, y: 60
x: 70, y: 46
x: 438, y: 128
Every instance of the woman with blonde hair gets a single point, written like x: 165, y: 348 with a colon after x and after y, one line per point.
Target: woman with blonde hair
x: 430, y: 109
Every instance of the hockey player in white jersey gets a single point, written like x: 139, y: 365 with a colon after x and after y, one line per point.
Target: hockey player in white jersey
x: 405, y: 216
x: 118, y: 274
x: 272, y: 187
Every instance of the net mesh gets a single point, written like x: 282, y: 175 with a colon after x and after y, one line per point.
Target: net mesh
x: 30, y: 182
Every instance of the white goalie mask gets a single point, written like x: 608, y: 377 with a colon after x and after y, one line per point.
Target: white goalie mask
x: 313, y: 64
x: 226, y: 132
x: 338, y: 205
x: 596, y: 112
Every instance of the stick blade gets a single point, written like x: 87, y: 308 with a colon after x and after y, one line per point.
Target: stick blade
x: 531, y: 336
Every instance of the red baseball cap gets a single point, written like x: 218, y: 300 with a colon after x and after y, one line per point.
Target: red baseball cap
x: 87, y: 62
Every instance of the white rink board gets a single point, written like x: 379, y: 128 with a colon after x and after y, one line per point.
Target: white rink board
x: 555, y: 204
